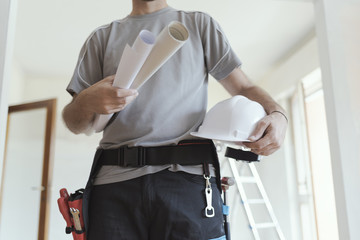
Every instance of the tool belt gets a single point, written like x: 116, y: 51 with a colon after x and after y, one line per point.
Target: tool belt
x: 71, y: 209
x: 187, y: 152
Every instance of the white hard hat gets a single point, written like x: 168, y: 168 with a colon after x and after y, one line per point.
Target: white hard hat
x: 231, y: 120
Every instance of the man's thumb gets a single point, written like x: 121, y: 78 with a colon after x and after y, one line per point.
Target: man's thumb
x: 258, y: 131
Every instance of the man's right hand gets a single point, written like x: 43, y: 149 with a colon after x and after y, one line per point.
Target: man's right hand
x: 100, y: 98
x: 103, y: 98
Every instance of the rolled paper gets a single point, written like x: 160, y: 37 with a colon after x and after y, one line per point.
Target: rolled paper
x: 133, y: 59
x: 170, y: 39
x: 130, y: 64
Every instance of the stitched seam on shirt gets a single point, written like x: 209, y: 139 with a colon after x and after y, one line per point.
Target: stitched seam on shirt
x: 220, y: 60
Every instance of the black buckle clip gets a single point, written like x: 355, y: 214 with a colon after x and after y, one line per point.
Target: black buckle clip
x: 133, y: 157
x: 239, y: 154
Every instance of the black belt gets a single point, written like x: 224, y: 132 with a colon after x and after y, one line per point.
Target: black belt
x: 187, y: 152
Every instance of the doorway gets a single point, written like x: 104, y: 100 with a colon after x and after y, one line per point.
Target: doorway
x: 27, y: 168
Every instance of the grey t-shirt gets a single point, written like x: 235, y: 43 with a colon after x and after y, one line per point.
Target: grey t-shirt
x: 172, y: 103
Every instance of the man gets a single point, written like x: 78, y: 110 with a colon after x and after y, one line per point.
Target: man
x: 163, y: 198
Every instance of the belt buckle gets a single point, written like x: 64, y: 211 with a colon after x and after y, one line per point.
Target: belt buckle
x: 134, y: 157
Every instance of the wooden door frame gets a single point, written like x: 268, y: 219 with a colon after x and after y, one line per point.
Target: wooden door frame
x: 50, y: 106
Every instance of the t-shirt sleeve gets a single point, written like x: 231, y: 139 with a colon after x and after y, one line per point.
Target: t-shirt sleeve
x: 88, y: 69
x: 220, y: 58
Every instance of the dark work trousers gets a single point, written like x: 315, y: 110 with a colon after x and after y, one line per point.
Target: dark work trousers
x: 161, y: 206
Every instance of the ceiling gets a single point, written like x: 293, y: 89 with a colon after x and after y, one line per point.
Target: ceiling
x: 50, y: 33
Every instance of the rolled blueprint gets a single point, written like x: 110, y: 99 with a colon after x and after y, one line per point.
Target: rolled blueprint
x: 170, y: 39
x: 130, y: 63
x: 140, y: 62
x: 133, y: 59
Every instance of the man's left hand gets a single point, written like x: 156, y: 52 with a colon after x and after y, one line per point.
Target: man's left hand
x: 268, y: 135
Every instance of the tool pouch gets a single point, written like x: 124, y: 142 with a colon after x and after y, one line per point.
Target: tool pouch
x: 71, y: 209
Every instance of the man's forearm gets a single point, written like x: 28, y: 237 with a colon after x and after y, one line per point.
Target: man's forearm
x: 77, y: 117
x: 100, y: 98
x: 237, y: 83
x: 257, y: 94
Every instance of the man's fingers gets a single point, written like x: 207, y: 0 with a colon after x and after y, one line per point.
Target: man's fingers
x: 123, y: 93
x: 259, y: 130
x: 129, y: 99
x: 104, y: 98
x: 258, y: 145
x: 121, y: 102
x: 110, y: 78
x: 268, y: 135
x: 265, y: 151
x: 266, y: 145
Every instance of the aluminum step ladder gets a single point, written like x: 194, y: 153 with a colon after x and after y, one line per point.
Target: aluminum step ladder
x: 247, y: 203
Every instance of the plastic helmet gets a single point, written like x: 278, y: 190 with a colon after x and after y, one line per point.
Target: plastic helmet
x: 231, y: 120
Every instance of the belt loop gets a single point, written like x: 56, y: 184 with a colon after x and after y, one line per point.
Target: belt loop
x: 206, y: 169
x: 120, y: 157
x: 141, y: 156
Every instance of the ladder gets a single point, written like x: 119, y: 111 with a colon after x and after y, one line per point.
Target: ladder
x: 254, y: 179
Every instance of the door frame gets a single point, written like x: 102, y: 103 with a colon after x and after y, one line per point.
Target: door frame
x: 50, y: 106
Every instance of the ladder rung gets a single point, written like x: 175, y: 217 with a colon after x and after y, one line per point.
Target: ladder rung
x: 248, y: 179
x: 255, y: 201
x: 265, y: 225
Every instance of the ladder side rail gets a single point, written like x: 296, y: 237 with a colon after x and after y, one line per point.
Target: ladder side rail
x: 267, y: 201
x: 244, y: 198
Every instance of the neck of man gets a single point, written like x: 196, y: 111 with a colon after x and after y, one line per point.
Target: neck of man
x: 141, y: 7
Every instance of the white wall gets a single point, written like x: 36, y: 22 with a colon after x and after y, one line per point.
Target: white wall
x: 278, y: 170
x: 7, y: 34
x: 337, y: 25
x: 16, y: 85
x: 282, y: 81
